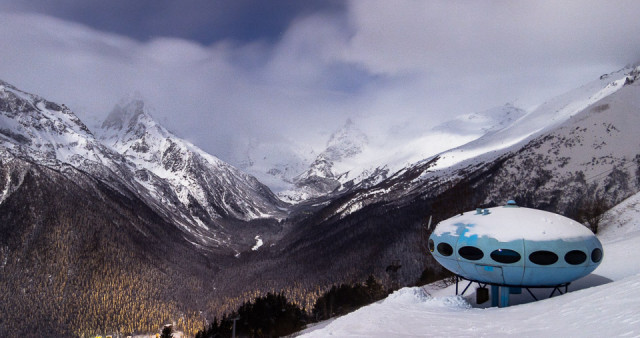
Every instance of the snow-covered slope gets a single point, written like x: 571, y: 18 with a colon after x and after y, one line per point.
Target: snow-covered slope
x: 48, y: 132
x: 592, y: 154
x: 209, y: 187
x: 544, y: 118
x: 604, y: 304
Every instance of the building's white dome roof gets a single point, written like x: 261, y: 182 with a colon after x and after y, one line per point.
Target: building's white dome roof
x: 512, y: 223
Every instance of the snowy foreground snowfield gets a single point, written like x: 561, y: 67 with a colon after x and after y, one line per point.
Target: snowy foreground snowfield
x: 605, y: 303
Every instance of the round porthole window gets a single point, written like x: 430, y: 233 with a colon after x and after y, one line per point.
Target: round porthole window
x: 543, y: 257
x: 445, y: 249
x: 471, y: 253
x: 575, y: 257
x: 596, y: 255
x: 505, y: 256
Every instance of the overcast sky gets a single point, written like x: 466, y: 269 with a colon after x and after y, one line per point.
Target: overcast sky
x: 225, y: 73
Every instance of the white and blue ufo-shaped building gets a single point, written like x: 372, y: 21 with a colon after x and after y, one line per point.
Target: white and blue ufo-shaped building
x: 515, y: 247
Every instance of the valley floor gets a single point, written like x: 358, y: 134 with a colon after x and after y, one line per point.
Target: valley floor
x: 604, y: 304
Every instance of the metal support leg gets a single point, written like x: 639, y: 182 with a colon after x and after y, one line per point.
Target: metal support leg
x: 504, y: 296
x: 465, y: 289
x: 494, y: 295
x: 531, y: 293
x: 557, y: 288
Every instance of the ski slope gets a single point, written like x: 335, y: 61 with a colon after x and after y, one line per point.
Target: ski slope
x: 605, y: 303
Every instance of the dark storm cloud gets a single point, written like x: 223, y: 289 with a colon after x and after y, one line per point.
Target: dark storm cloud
x: 205, y: 21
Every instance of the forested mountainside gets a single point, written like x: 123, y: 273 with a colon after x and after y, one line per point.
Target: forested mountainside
x: 79, y: 257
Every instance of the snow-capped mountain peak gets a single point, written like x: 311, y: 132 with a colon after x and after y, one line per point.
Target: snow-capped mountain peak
x: 124, y: 114
x: 348, y: 141
x: 130, y: 129
x: 201, y: 181
x: 345, y: 143
x: 322, y: 177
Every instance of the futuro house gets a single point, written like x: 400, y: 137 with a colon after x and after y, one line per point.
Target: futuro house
x: 515, y: 247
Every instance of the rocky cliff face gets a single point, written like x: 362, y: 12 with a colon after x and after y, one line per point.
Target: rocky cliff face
x: 200, y: 180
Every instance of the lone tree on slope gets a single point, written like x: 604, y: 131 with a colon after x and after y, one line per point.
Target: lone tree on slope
x: 591, y: 212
